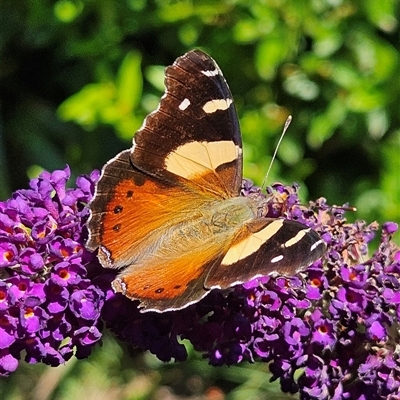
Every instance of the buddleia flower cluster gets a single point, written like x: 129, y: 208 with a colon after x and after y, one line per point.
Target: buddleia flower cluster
x: 330, y: 332
x: 49, y: 306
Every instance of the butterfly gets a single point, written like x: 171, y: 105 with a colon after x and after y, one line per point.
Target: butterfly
x: 167, y: 213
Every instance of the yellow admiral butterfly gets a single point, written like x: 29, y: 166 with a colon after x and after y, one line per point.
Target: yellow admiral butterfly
x: 168, y: 212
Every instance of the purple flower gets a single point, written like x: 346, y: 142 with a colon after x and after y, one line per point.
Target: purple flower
x: 8, y: 253
x: 68, y: 273
x: 8, y: 331
x: 43, y: 268
x: 316, y: 283
x: 376, y: 331
x: 8, y: 363
x: 86, y: 303
x: 57, y: 297
x: 84, y: 339
x: 31, y: 262
x: 324, y: 331
x: 390, y: 227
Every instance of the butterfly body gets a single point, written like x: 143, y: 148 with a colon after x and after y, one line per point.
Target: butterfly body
x: 168, y: 212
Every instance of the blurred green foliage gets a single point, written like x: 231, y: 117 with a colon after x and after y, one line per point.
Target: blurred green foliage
x: 77, y: 78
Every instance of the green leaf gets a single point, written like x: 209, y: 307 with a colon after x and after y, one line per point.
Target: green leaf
x: 130, y: 82
x: 382, y: 13
x: 270, y: 53
x: 298, y: 84
x: 85, y: 106
x: 155, y: 75
x: 67, y: 10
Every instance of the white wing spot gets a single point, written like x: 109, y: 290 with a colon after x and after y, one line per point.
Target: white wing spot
x: 118, y: 286
x: 214, y: 105
x: 277, y: 259
x: 316, y: 244
x: 210, y: 73
x: 184, y: 105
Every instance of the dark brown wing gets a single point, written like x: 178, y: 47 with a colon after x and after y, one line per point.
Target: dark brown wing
x: 263, y: 246
x: 195, y: 129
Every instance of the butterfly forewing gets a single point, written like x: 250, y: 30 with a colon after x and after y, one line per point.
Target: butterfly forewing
x: 263, y: 246
x: 194, y: 134
x: 131, y: 212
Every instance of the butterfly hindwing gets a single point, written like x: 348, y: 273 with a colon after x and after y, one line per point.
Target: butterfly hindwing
x: 164, y: 284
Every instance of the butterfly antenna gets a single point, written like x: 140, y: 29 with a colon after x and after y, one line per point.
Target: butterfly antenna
x: 285, y: 128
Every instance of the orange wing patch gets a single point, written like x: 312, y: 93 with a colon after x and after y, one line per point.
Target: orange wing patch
x: 169, y: 284
x: 136, y: 214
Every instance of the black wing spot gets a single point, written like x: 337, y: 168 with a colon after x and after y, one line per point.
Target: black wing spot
x: 129, y: 194
x: 159, y: 290
x: 118, y: 209
x: 177, y: 287
x: 116, y: 228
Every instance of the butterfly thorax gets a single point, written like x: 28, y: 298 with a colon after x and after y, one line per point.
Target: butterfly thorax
x: 229, y: 214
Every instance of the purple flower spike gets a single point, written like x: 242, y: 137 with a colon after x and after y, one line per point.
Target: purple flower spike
x: 43, y: 263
